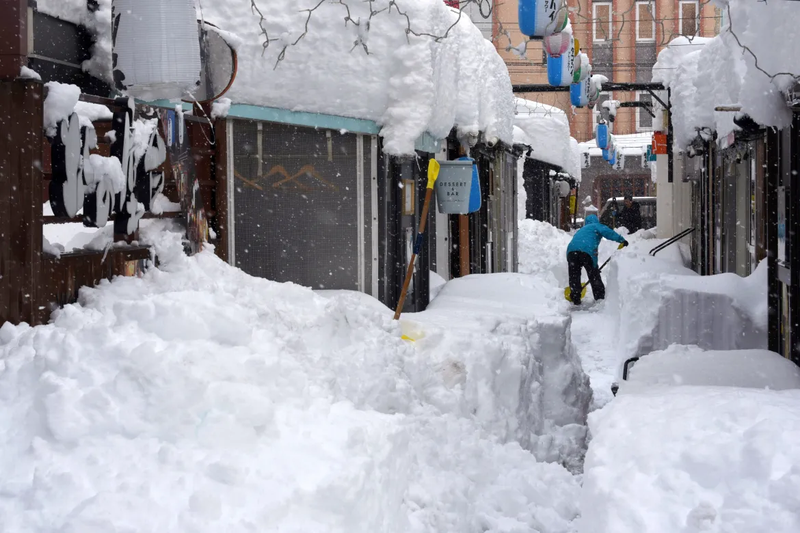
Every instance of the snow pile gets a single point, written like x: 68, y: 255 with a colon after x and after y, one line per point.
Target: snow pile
x: 220, y: 108
x: 691, y: 365
x: 694, y: 459
x: 59, y: 104
x: 199, y: 398
x: 722, y: 72
x: 408, y: 84
x: 546, y: 129
x: 657, y: 302
x: 520, y: 375
x: 29, y: 74
x: 543, y: 251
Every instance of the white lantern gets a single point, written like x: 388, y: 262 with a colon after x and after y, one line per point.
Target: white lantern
x: 156, y: 48
x: 558, y: 43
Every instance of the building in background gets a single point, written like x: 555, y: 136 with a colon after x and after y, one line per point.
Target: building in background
x: 621, y: 37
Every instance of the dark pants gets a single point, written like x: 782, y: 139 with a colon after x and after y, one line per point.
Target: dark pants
x: 576, y: 261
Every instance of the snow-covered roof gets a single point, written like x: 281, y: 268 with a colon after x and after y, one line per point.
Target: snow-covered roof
x: 407, y: 84
x: 546, y: 129
x: 634, y: 144
x: 706, y: 73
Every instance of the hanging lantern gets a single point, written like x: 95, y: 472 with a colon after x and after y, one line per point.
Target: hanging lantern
x: 156, y: 48
x: 579, y: 93
x: 603, y: 137
x: 560, y: 70
x: 606, y: 155
x: 558, y: 43
x: 583, y: 69
x: 539, y: 18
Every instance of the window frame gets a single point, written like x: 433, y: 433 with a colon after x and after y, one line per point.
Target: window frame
x: 596, y: 23
x: 637, y: 6
x: 696, y: 5
x: 639, y: 111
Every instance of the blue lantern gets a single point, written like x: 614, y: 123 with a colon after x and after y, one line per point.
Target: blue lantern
x: 606, y: 155
x: 603, y: 138
x: 539, y: 18
x: 561, y: 69
x: 579, y: 93
x: 613, y: 160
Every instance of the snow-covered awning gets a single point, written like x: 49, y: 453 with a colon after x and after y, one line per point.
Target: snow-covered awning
x: 369, y: 67
x: 546, y: 129
x: 751, y: 64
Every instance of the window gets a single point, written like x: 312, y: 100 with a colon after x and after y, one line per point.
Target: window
x: 644, y: 121
x: 690, y: 18
x: 645, y: 22
x: 601, y: 21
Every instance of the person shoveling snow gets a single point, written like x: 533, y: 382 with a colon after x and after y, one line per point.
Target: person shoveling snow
x: 582, y: 253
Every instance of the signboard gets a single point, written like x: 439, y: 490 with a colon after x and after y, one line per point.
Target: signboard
x: 620, y: 162
x: 454, y: 187
x: 538, y: 18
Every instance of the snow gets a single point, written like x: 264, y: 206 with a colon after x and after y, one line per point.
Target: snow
x: 59, y: 104
x: 93, y: 112
x: 220, y: 108
x: 707, y: 73
x: 546, y: 129
x: 30, y: 74
x: 98, y: 24
x: 694, y: 459
x: 407, y: 84
x: 106, y: 167
x: 691, y: 365
x: 658, y: 301
x: 197, y: 398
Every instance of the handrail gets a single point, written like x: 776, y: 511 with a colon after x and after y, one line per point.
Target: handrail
x: 674, y: 239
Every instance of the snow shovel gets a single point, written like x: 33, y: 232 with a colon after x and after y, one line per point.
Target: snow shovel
x: 568, y: 292
x: 433, y: 173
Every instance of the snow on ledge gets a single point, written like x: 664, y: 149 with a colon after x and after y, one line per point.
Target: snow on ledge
x: 706, y: 73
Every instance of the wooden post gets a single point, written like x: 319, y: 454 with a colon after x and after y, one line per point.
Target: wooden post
x: 463, y: 245
x: 13, y: 37
x: 221, y: 196
x: 20, y: 201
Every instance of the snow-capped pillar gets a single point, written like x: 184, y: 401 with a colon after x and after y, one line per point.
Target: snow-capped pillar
x: 156, y: 48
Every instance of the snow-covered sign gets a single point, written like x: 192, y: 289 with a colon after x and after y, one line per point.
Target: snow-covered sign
x: 619, y: 164
x: 156, y: 48
x: 539, y: 18
x: 67, y: 185
x: 561, y: 69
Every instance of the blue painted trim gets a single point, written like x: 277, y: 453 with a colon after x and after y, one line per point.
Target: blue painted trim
x: 302, y: 118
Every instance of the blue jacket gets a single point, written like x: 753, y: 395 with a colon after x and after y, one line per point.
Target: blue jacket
x: 588, y: 238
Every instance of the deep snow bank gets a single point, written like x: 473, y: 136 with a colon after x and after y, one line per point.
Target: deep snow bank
x: 691, y: 459
x: 198, y: 398
x: 545, y: 129
x: 657, y: 302
x: 512, y: 332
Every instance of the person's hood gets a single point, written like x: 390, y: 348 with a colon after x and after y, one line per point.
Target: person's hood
x: 591, y: 219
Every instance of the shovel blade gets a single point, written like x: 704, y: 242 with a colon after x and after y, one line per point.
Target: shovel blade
x: 568, y: 293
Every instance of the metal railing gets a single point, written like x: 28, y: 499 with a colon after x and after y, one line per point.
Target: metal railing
x: 673, y: 240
